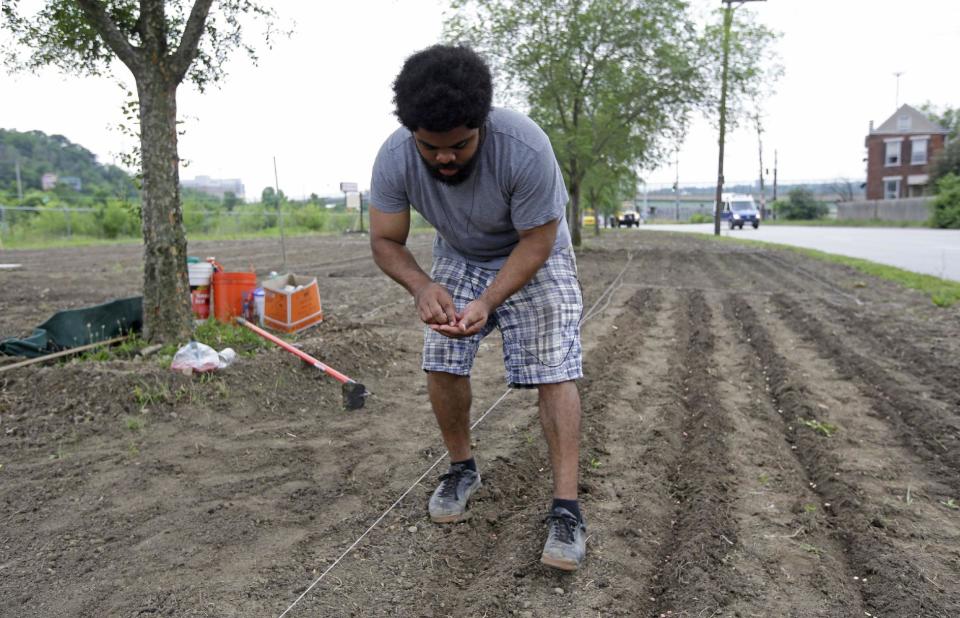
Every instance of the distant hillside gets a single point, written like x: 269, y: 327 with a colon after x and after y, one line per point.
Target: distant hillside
x: 40, y: 153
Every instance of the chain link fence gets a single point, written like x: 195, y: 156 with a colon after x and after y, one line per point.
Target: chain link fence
x: 38, y: 225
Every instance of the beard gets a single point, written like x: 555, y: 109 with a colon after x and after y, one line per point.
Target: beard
x: 463, y: 170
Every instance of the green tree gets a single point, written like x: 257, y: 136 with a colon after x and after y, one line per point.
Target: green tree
x: 753, y: 66
x: 230, y: 200
x: 162, y: 43
x: 607, y: 80
x: 800, y: 205
x: 946, y: 206
x: 947, y: 161
x: 949, y: 118
x: 605, y: 187
x: 269, y: 197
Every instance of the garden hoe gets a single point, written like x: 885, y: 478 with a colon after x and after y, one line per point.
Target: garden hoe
x: 354, y: 393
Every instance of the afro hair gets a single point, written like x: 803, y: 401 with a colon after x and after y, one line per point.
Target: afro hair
x: 443, y: 87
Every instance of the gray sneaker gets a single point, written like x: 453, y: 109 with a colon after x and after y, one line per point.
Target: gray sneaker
x: 448, y: 503
x: 566, y: 543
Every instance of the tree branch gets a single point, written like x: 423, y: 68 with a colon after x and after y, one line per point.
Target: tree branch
x: 190, y: 41
x: 107, y: 29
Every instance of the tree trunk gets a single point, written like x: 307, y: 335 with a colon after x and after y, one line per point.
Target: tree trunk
x: 575, y: 236
x: 166, y: 292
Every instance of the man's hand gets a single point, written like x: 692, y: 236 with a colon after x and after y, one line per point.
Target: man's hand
x: 470, y: 322
x: 435, y: 305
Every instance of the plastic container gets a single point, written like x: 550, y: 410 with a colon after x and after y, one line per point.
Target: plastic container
x: 258, y: 304
x: 229, y: 292
x: 199, y: 274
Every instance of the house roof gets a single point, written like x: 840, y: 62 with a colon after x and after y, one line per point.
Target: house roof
x: 908, y: 120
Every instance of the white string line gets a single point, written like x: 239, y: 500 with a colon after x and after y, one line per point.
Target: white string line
x: 587, y: 316
x: 608, y: 293
x: 385, y: 513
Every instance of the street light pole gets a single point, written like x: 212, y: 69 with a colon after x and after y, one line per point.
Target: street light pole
x: 727, y: 24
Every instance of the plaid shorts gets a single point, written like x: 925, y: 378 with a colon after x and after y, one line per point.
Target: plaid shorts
x: 539, y: 324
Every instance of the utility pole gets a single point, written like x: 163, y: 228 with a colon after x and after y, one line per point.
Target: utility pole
x: 283, y: 241
x: 676, y: 184
x: 19, y: 184
x: 727, y: 24
x: 774, y: 175
x: 763, y: 193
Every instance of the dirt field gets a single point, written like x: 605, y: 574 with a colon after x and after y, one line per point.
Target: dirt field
x: 709, y: 481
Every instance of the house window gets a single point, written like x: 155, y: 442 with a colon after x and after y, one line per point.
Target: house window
x: 893, y: 153
x: 918, y: 151
x: 903, y: 123
x: 891, y: 188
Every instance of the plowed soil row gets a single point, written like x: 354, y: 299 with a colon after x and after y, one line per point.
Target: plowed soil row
x: 763, y: 436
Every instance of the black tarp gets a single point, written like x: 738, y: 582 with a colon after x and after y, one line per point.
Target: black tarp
x: 76, y: 327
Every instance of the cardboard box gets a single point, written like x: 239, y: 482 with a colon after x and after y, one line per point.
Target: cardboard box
x: 291, y: 303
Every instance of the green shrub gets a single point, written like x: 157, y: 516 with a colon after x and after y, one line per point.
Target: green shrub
x: 701, y: 218
x: 800, y: 205
x: 946, y: 205
x: 947, y: 161
x: 311, y: 216
x: 115, y: 220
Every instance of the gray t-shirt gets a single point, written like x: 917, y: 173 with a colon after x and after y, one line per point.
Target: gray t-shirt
x: 516, y: 185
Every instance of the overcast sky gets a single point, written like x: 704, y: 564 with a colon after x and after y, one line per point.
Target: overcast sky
x: 320, y: 101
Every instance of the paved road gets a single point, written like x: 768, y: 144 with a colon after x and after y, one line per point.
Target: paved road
x: 933, y: 252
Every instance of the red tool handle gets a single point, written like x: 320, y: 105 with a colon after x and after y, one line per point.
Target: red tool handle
x: 330, y: 371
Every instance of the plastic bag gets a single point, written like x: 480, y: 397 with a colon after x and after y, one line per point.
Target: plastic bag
x: 196, y: 357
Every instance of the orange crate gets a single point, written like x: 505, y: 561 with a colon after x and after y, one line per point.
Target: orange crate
x: 291, y: 303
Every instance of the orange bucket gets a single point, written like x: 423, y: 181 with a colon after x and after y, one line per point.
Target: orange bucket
x: 229, y: 290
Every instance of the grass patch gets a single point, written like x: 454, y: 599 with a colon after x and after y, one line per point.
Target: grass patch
x: 825, y: 429
x: 133, y: 424
x: 218, y: 335
x: 810, y: 549
x: 846, y: 223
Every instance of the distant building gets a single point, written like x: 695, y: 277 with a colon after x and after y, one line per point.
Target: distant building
x: 71, y: 181
x: 48, y: 181
x: 899, y: 153
x: 215, y: 186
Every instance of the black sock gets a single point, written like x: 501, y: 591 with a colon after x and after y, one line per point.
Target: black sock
x: 571, y: 505
x: 469, y: 464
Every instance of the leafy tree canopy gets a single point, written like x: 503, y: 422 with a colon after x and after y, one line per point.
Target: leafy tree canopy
x: 948, y: 117
x: 38, y: 153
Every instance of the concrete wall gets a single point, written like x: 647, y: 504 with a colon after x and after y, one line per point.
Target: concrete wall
x: 906, y: 209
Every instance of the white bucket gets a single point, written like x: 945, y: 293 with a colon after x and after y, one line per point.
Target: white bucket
x: 200, y: 274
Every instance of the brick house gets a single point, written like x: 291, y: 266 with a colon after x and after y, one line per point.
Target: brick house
x: 899, y: 152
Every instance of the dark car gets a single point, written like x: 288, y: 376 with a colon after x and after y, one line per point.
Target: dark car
x: 627, y: 218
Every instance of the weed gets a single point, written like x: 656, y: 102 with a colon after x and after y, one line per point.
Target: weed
x: 218, y: 335
x: 133, y: 424
x: 222, y: 391
x: 146, y: 395
x: 764, y: 479
x: 810, y: 549
x: 951, y: 503
x: 595, y: 463
x: 132, y: 450
x: 809, y: 508
x: 58, y: 454
x: 826, y: 429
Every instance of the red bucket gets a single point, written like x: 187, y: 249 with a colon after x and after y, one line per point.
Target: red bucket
x: 230, y: 290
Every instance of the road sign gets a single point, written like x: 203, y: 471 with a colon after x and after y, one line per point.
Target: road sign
x: 348, y: 187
